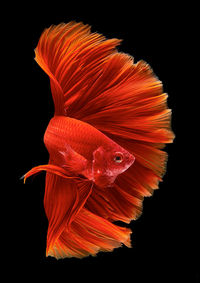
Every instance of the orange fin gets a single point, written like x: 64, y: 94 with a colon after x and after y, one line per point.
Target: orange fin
x: 116, y: 203
x: 71, y: 56
x: 89, y: 234
x: 54, y: 169
x: 92, y: 82
x: 73, y: 161
x: 63, y: 200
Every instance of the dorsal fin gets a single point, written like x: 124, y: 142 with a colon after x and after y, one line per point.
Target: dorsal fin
x: 72, y: 57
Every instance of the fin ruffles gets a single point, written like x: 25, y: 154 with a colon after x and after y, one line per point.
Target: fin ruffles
x: 92, y: 82
x: 74, y: 231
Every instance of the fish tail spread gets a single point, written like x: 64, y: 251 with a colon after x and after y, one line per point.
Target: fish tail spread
x: 94, y: 83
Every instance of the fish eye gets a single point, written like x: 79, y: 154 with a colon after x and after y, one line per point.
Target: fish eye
x: 118, y: 158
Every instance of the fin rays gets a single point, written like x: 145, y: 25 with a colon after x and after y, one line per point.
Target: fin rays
x: 92, y: 82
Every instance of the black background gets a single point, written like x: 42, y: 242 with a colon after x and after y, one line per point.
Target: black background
x: 162, y: 249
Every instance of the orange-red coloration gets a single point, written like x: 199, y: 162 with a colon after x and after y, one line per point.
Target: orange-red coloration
x: 105, y: 140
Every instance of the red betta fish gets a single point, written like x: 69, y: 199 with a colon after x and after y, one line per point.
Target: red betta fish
x: 105, y: 140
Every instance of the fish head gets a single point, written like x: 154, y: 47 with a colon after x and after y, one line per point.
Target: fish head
x: 109, y: 162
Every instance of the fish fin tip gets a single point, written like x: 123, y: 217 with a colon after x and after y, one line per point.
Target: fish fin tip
x: 23, y: 178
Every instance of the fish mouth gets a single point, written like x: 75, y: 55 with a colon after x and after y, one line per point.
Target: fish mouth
x: 129, y: 162
x: 130, y: 159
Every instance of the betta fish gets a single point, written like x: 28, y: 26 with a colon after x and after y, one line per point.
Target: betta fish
x: 105, y: 140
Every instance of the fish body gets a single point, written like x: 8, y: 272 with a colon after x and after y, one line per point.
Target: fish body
x: 86, y: 150
x: 105, y: 140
